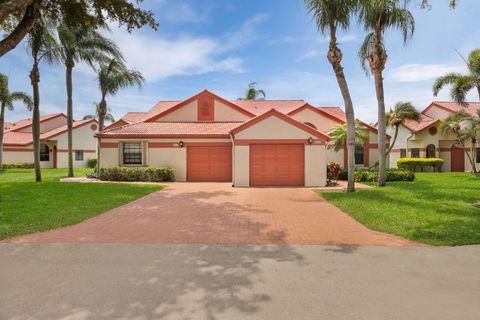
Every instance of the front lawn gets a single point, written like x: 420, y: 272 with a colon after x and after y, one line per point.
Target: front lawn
x: 27, y: 206
x: 437, y: 208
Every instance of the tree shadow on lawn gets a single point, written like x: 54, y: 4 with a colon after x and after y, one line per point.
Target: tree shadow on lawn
x: 109, y: 281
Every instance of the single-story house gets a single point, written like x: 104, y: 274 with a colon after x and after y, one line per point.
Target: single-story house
x: 18, y: 147
x: 246, y: 142
x: 424, y: 139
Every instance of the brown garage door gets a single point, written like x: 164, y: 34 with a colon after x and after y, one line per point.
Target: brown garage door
x: 209, y: 163
x: 277, y: 165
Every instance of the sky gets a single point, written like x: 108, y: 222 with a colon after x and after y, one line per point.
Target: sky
x: 222, y: 45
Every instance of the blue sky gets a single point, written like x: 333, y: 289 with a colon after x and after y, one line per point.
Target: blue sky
x: 222, y: 45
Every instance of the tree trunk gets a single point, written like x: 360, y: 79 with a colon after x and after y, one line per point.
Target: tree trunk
x: 102, y: 111
x: 478, y: 90
x: 473, y: 158
x: 394, y: 140
x: 35, y: 80
x: 335, y: 58
x: 24, y: 26
x: 382, y: 129
x: 2, y: 127
x: 69, y: 80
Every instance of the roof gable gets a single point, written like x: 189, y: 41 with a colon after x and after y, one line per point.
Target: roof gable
x: 25, y: 123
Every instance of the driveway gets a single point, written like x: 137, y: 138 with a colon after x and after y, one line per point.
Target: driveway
x: 218, y: 213
x: 256, y: 282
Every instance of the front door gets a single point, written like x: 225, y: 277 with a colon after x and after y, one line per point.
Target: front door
x: 457, y: 159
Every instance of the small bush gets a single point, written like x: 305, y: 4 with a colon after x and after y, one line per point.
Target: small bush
x: 365, y: 175
x: 91, y: 163
x: 333, y: 170
x: 18, y: 165
x: 153, y: 174
x: 420, y: 164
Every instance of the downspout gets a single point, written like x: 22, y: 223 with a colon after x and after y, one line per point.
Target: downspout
x: 232, y: 138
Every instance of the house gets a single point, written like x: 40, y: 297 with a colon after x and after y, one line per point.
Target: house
x: 423, y: 139
x: 247, y: 142
x: 18, y: 147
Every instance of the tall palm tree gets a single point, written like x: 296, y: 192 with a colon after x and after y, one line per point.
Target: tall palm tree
x: 108, y: 115
x: 41, y: 43
x: 461, y: 84
x: 331, y: 15
x: 81, y: 45
x: 401, y: 112
x: 465, y: 127
x: 377, y: 16
x: 253, y: 93
x: 339, y: 135
x: 7, y: 100
x: 113, y: 76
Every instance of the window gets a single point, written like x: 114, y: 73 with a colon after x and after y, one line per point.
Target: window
x: 44, y: 152
x: 359, y: 152
x: 403, y: 153
x: 132, y: 153
x: 430, y: 151
x: 415, y: 153
x: 78, y: 155
x: 478, y: 155
x: 310, y: 125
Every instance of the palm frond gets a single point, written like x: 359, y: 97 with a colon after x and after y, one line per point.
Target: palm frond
x: 442, y: 81
x: 23, y: 97
x: 365, y: 51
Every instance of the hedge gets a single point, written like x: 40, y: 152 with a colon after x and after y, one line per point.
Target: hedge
x: 91, y: 163
x: 416, y: 164
x: 153, y: 174
x: 18, y: 165
x: 365, y: 175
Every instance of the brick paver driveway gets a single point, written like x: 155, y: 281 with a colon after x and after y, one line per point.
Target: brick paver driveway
x: 218, y: 213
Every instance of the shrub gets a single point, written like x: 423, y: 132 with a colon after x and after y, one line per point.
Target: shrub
x: 18, y: 165
x: 153, y: 174
x: 91, y: 163
x: 333, y: 170
x: 365, y: 175
x: 416, y: 164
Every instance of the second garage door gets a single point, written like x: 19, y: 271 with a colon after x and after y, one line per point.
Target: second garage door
x: 277, y: 165
x: 209, y: 163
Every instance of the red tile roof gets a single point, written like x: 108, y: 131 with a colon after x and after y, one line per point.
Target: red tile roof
x: 172, y: 129
x: 470, y: 107
x: 425, y: 121
x: 132, y: 117
x: 28, y: 122
x: 7, y: 125
x: 258, y: 107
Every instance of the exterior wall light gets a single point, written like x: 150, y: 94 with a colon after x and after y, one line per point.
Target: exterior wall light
x: 310, y: 140
x: 181, y: 144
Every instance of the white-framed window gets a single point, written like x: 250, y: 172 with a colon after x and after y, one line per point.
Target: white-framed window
x: 78, y: 155
x: 132, y: 153
x: 44, y: 152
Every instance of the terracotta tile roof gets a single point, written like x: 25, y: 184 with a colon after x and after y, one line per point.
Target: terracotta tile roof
x: 258, y: 107
x: 159, y: 107
x: 336, y: 112
x: 469, y: 107
x: 7, y: 125
x: 25, y: 138
x: 28, y: 122
x: 132, y: 117
x: 161, y: 129
x: 425, y: 121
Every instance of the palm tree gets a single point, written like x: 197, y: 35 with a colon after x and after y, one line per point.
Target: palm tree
x: 7, y: 100
x: 253, y: 93
x: 80, y: 45
x: 41, y: 43
x: 377, y: 16
x: 465, y: 127
x: 461, y: 84
x: 112, y: 77
x: 331, y: 15
x: 339, y: 135
x: 397, y: 116
x: 108, y: 116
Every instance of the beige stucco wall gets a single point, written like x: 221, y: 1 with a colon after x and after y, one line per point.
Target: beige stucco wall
x: 437, y: 113
x: 187, y: 112
x: 241, y: 166
x: 226, y: 113
x: 175, y: 158
x: 315, y: 166
x: 18, y: 156
x: 48, y: 125
x: 322, y: 123
x: 83, y: 139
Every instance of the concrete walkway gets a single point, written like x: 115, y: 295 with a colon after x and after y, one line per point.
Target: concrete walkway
x: 218, y: 213
x: 216, y: 282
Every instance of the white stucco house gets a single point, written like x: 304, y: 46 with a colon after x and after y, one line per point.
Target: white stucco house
x: 17, y: 142
x: 246, y: 142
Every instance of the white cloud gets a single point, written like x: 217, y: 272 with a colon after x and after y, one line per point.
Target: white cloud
x: 421, y: 72
x: 308, y: 55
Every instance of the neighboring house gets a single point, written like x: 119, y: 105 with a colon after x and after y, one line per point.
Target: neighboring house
x: 424, y: 140
x: 17, y: 142
x: 247, y: 142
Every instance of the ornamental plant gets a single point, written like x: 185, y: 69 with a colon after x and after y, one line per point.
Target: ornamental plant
x: 416, y: 164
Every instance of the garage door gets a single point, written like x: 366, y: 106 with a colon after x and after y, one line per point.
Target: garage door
x: 277, y: 165
x: 209, y: 163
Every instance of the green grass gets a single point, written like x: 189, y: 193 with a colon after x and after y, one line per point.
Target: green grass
x: 27, y: 206
x: 437, y: 208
